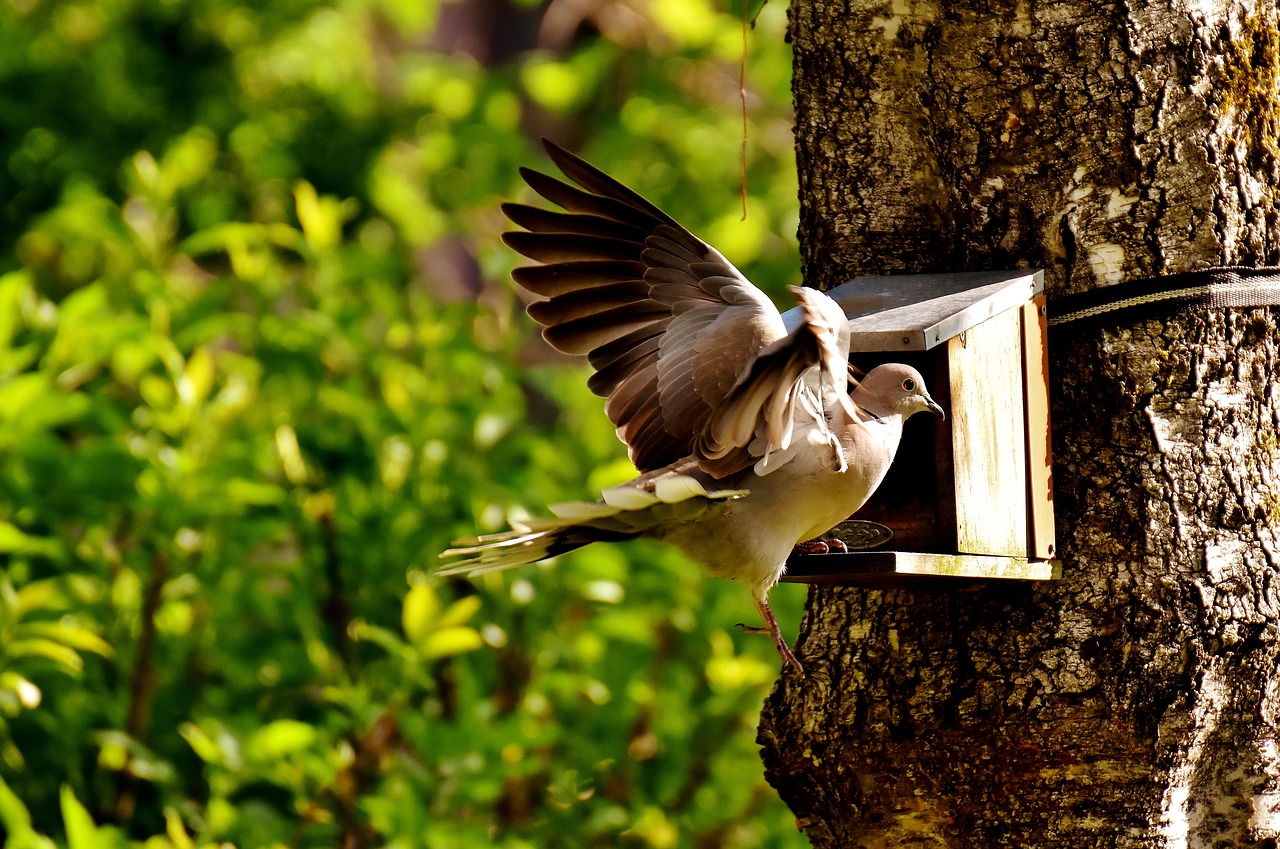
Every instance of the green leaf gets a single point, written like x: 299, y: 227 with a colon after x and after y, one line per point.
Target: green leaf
x: 238, y: 237
x: 279, y: 738
x: 555, y: 86
x: 17, y: 822
x: 361, y: 630
x: 197, y: 379
x: 14, y: 814
x: 321, y: 217
x: 254, y: 493
x: 82, y: 832
x: 205, y: 747
x: 451, y: 641
x: 25, y: 694
x: 421, y: 606
x: 461, y: 611
x: 176, y: 831
x: 14, y: 541
x: 14, y: 286
x: 32, y: 403
x: 44, y: 594
x: 68, y: 632
x: 48, y: 649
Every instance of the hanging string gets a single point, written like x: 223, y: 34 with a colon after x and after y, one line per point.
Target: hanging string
x: 742, y: 98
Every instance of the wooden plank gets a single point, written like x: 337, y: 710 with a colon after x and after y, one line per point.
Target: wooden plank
x: 887, y: 568
x: 989, y: 448
x: 1039, y: 444
x: 917, y: 312
x: 944, y: 485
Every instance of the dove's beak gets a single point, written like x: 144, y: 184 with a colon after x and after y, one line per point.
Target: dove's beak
x: 934, y: 408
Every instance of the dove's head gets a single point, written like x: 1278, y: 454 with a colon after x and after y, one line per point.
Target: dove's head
x: 894, y: 389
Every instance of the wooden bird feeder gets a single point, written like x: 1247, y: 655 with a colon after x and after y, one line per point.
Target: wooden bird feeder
x: 972, y: 496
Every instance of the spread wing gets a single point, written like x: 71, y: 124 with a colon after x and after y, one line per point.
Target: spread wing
x: 692, y: 358
x: 803, y: 376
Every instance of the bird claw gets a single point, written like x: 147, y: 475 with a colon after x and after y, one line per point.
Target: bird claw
x: 818, y: 546
x: 813, y: 546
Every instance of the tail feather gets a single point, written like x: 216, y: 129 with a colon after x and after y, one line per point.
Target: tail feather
x: 626, y: 512
x: 498, y: 552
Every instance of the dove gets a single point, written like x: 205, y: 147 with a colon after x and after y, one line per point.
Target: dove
x: 746, y: 436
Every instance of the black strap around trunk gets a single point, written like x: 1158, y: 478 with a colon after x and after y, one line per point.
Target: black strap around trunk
x: 1152, y: 297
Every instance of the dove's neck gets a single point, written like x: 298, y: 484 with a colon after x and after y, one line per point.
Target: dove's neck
x: 871, y: 403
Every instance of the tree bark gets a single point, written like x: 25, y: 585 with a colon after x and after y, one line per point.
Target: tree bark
x: 1135, y: 702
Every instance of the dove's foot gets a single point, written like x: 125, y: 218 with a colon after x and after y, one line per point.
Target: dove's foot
x: 771, y: 628
x: 818, y: 546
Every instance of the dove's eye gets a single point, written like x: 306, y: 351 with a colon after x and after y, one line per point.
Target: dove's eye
x: 909, y: 385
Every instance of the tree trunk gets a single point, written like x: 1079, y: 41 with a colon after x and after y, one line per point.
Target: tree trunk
x: 1134, y: 702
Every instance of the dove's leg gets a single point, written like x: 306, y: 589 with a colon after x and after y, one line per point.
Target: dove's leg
x: 771, y: 628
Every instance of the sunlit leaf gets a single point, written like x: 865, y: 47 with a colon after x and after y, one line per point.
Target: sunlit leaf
x: 691, y: 22
x: 201, y: 743
x: 361, y: 630
x: 14, y: 541
x: 36, y: 595
x: 82, y: 832
x: 421, y: 606
x: 26, y: 694
x: 197, y: 379
x: 394, y: 461
x: 319, y: 217
x: 251, y: 492
x: 69, y: 633
x: 48, y: 649
x: 279, y: 738
x: 17, y: 822
x: 450, y: 641
x: 727, y: 670
x: 176, y: 831
x: 295, y: 469
x: 461, y: 611
x: 553, y: 85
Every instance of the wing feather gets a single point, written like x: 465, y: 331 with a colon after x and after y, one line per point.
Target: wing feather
x: 576, y: 200
x: 538, y: 220
x: 694, y: 361
x: 584, y: 303
x: 766, y: 398
x: 568, y: 247
x: 564, y: 277
x: 601, y: 184
x: 584, y: 335
x: 628, y: 286
x: 610, y: 376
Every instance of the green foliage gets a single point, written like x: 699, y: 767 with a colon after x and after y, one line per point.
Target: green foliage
x: 260, y: 360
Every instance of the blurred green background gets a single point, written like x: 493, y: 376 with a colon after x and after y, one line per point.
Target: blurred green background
x: 260, y: 360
